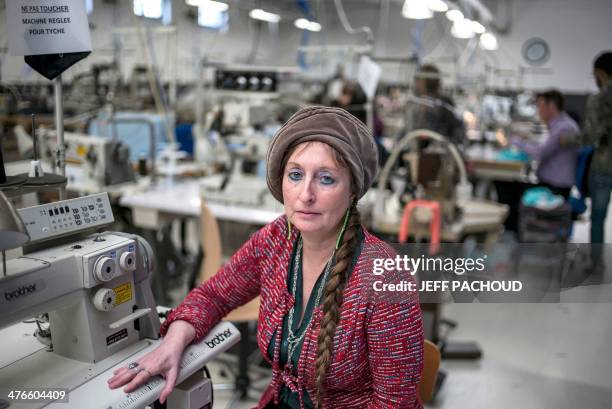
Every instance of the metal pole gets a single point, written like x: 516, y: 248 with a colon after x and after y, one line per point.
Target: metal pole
x: 60, y: 154
x: 173, y: 80
x: 199, y: 103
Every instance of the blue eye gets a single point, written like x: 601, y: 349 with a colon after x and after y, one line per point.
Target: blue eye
x: 294, y: 175
x: 327, y: 180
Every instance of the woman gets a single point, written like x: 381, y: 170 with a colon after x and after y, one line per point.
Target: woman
x: 329, y: 345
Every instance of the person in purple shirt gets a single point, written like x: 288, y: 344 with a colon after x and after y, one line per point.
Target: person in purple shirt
x: 556, y: 156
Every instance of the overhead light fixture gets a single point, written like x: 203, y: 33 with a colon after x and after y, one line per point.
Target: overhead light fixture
x: 416, y: 10
x: 462, y: 29
x: 259, y: 14
x: 208, y: 4
x: 488, y: 42
x: 148, y: 8
x: 454, y: 15
x: 438, y: 6
x: 477, y: 27
x: 305, y: 24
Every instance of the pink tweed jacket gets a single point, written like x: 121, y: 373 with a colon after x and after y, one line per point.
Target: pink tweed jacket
x: 378, y: 346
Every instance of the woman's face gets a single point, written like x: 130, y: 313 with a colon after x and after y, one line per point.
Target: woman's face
x: 316, y: 189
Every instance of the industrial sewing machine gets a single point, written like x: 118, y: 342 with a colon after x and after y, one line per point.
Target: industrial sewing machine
x: 93, y: 162
x: 244, y: 184
x: 431, y: 194
x: 90, y: 296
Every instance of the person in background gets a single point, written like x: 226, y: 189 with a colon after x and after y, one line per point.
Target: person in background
x: 353, y: 99
x: 556, y: 159
x: 598, y: 133
x: 432, y: 110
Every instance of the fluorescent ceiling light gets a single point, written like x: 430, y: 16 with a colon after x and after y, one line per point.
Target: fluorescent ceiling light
x: 213, y: 19
x: 259, y: 14
x: 314, y: 26
x: 305, y: 24
x: 437, y: 5
x: 148, y: 8
x: 488, y: 42
x: 454, y: 15
x: 416, y: 10
x: 89, y: 6
x: 477, y: 27
x: 208, y: 4
x: 462, y: 29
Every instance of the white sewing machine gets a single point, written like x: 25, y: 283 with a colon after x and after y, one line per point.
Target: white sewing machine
x: 460, y: 213
x: 96, y: 291
x: 93, y: 162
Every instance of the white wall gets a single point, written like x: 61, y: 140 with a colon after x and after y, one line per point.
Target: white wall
x: 575, y: 32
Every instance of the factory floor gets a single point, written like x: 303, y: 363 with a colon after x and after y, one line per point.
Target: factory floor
x: 535, y: 356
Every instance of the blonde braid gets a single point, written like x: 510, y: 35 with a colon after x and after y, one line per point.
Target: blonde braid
x: 332, y: 300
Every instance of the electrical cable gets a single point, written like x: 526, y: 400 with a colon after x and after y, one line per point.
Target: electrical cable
x: 154, y: 82
x: 255, y: 42
x: 444, y: 34
x: 383, y: 28
x: 347, y: 26
x: 304, y: 6
x: 150, y: 76
x: 157, y: 75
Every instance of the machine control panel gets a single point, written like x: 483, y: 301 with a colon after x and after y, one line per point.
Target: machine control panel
x: 57, y: 219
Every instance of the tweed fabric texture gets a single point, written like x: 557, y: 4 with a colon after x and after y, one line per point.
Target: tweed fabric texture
x: 377, y: 348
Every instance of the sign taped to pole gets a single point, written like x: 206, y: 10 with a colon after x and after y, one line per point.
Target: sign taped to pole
x: 37, y: 27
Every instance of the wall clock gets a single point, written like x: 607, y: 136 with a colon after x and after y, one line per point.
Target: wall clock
x: 536, y: 51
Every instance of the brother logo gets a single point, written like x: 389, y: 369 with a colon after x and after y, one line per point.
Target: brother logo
x: 219, y: 338
x: 20, y: 292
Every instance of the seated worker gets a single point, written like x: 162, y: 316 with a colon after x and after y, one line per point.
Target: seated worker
x: 432, y: 110
x: 329, y: 345
x: 556, y: 159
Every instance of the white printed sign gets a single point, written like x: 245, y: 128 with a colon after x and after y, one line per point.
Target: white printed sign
x: 47, y: 27
x: 368, y: 75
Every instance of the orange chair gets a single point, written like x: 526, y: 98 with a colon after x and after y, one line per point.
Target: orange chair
x: 211, y: 246
x: 427, y: 386
x: 435, y: 224
x: 241, y: 316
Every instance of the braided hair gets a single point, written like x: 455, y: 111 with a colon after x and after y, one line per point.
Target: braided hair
x: 332, y: 301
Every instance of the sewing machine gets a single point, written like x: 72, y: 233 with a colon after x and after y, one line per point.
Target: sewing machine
x: 95, y: 289
x: 92, y: 162
x: 441, y: 191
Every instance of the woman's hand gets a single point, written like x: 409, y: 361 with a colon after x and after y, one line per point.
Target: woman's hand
x: 163, y: 360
